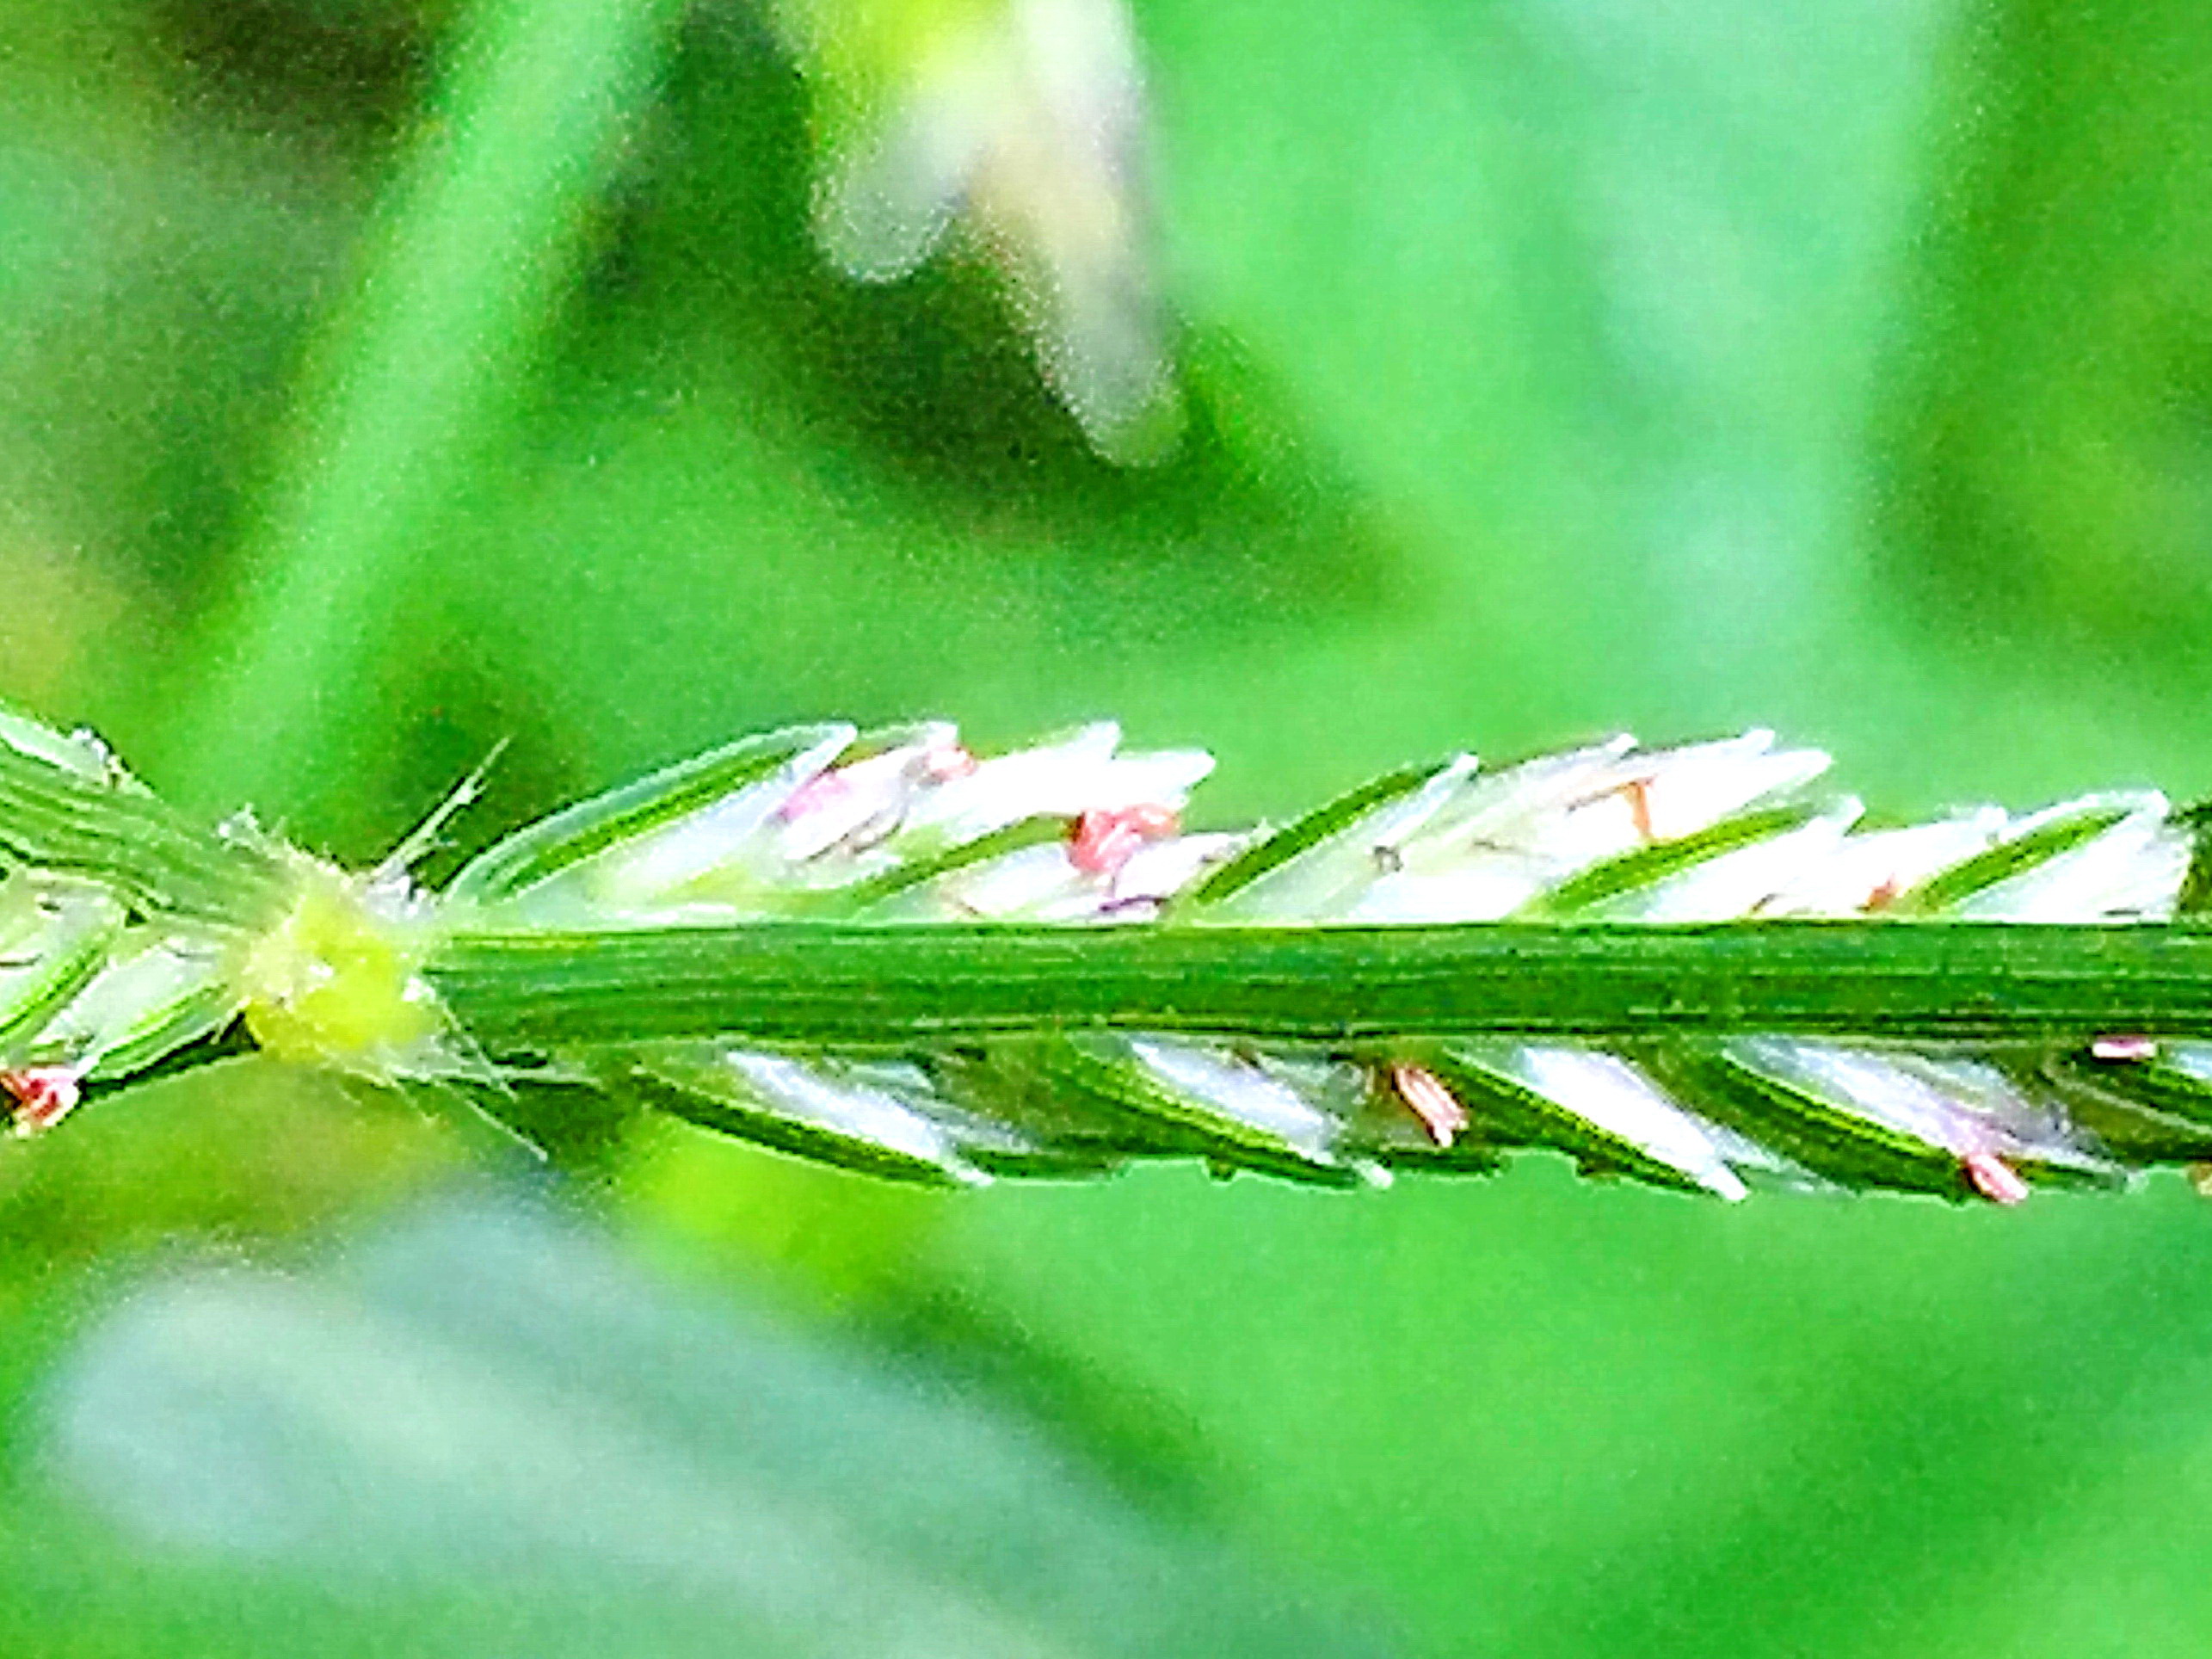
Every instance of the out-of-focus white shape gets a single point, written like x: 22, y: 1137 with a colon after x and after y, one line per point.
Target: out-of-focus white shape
x: 1740, y: 883
x: 2131, y: 872
x: 1613, y: 1096
x: 1866, y: 872
x: 1025, y: 124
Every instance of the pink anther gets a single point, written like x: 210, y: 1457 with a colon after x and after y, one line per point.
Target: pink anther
x: 818, y: 792
x: 1427, y: 1099
x: 1103, y: 839
x: 1636, y: 792
x: 942, y: 762
x: 43, y: 1096
x: 1995, y: 1179
x: 2124, y: 1048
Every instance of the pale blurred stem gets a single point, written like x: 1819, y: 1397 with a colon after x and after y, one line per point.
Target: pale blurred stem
x: 468, y: 258
x: 840, y: 984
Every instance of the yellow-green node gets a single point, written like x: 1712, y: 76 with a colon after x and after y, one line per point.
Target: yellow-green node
x: 337, y: 981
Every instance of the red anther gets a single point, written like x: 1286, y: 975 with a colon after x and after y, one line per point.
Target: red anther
x: 1427, y: 1099
x: 1887, y: 892
x: 44, y: 1095
x: 2124, y: 1048
x: 1104, y: 839
x: 1995, y: 1179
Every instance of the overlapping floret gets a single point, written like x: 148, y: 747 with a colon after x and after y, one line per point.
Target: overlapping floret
x: 910, y: 826
x: 184, y: 932
x: 93, y: 985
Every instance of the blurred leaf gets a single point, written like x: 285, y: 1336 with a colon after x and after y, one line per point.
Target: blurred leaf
x: 488, y: 1413
x: 1837, y: 1428
x: 232, y: 1157
x: 156, y: 278
x: 476, y: 239
x: 2054, y: 450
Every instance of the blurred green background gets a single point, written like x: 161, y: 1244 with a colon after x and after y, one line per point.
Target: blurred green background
x: 383, y: 378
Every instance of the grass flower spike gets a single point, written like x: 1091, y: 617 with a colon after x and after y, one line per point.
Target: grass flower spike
x: 1693, y: 967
